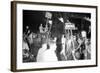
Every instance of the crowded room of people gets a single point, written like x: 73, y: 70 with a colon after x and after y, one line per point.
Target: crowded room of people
x: 50, y: 36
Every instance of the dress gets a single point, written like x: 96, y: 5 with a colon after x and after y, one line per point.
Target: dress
x: 47, y: 55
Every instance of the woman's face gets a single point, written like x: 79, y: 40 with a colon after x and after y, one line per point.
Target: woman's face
x: 53, y: 46
x: 45, y: 46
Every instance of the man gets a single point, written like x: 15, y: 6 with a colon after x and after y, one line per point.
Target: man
x: 63, y: 54
x: 25, y: 49
x: 33, y: 45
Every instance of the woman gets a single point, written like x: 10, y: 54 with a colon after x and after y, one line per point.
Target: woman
x: 47, y: 55
x: 40, y: 52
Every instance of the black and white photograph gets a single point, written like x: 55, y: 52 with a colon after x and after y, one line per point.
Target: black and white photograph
x: 53, y: 36
x: 56, y: 36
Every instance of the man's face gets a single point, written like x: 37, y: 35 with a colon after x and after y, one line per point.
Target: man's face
x: 30, y: 39
x: 74, y: 38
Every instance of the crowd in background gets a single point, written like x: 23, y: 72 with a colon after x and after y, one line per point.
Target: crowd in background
x: 39, y: 47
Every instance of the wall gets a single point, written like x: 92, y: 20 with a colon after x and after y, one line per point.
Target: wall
x: 5, y: 36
